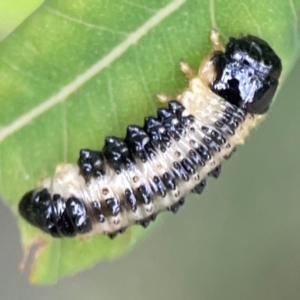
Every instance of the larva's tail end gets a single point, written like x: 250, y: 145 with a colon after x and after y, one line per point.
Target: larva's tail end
x: 35, y: 207
x: 26, y: 208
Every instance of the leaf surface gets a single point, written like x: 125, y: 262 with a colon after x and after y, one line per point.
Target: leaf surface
x: 77, y: 71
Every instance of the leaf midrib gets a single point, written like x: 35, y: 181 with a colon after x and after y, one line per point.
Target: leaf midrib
x: 95, y: 69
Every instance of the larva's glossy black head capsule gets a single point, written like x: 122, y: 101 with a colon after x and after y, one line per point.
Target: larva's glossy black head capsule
x: 247, y: 73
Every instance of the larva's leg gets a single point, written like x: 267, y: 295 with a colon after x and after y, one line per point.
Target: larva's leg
x: 187, y: 70
x: 215, y: 40
x: 163, y: 98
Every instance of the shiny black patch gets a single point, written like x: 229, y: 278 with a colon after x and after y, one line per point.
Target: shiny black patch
x: 198, y: 189
x: 113, y: 205
x: 160, y: 187
x: 247, y: 73
x: 117, y: 154
x: 91, y: 164
x: 130, y: 199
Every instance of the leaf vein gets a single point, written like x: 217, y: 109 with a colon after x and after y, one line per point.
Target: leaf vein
x: 88, y: 25
x: 80, y: 80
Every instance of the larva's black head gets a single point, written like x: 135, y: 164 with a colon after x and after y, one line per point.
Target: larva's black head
x: 247, y: 73
x: 55, y: 216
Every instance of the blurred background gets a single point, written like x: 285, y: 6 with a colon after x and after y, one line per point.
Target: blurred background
x: 239, y: 240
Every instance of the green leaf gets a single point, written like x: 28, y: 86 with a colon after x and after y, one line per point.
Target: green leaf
x: 13, y: 13
x: 77, y: 71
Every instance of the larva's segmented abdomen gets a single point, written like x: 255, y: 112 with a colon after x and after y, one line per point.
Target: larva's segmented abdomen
x: 133, y: 179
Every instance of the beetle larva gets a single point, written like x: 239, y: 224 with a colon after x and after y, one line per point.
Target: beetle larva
x: 156, y: 166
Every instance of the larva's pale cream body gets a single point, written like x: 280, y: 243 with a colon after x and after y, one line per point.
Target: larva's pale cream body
x: 199, y: 101
x: 203, y: 128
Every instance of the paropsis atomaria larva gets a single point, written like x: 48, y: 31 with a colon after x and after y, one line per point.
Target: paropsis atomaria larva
x: 131, y: 180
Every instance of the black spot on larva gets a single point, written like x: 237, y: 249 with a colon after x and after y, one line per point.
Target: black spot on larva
x: 153, y: 217
x: 235, y: 112
x: 188, y: 166
x: 247, y: 73
x: 91, y: 164
x: 130, y: 199
x: 64, y: 226
x: 212, y: 145
x: 175, y: 207
x: 198, y: 189
x: 177, y: 109
x: 230, y: 121
x: 224, y: 127
x: 117, y: 154
x: 218, y: 137
x: 157, y: 133
x: 145, y: 222
x: 196, y: 158
x: 204, y: 152
x: 159, y: 185
x: 180, y: 172
x: 169, y: 180
x: 145, y: 192
x: 170, y: 122
x: 214, y: 134
x: 116, y: 233
x: 139, y: 142
x: 77, y: 213
x: 215, y: 172
x: 230, y: 154
x: 113, y: 205
x: 113, y: 235
x: 122, y: 230
x: 98, y: 211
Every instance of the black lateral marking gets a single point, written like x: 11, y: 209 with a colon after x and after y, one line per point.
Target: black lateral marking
x: 130, y: 199
x: 180, y: 171
x: 230, y: 154
x: 64, y: 225
x: 188, y: 166
x: 215, y: 172
x: 160, y: 186
x: 175, y: 207
x: 204, y: 152
x: 218, y: 137
x: 98, y: 211
x: 230, y: 121
x: 137, y: 139
x: 169, y: 180
x: 77, y: 213
x: 113, y: 235
x: 117, y: 154
x: 224, y: 127
x: 196, y: 158
x: 169, y: 121
x: 158, y: 133
x: 198, y: 189
x: 145, y: 222
x: 208, y: 141
x: 145, y: 192
x: 91, y: 164
x: 113, y: 205
x: 236, y: 112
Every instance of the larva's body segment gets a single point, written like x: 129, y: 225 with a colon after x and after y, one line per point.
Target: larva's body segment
x: 130, y: 181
